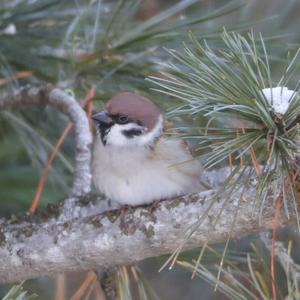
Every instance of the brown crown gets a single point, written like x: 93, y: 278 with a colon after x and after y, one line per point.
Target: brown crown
x: 136, y: 107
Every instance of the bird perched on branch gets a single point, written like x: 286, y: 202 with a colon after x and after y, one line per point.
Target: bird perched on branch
x: 133, y: 163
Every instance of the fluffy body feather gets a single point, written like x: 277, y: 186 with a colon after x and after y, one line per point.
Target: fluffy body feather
x: 136, y: 176
x: 132, y: 163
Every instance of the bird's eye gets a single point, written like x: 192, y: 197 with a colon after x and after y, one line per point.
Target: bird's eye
x: 122, y: 119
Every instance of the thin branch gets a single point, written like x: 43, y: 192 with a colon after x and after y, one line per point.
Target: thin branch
x: 68, y: 105
x: 86, y: 103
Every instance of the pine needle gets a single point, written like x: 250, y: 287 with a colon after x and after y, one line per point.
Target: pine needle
x: 85, y: 285
x: 36, y: 199
x: 60, y: 287
x: 275, y: 225
x: 19, y: 75
x: 198, y: 260
x: 98, y: 291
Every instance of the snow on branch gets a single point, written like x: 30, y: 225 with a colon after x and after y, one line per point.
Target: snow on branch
x: 279, y: 98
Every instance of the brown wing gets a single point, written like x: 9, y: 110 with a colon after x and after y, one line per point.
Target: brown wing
x: 177, y: 153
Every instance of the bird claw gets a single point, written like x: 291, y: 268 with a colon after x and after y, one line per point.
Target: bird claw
x: 154, y: 205
x: 123, y: 209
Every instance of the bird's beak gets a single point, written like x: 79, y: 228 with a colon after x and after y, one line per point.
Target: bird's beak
x: 102, y: 117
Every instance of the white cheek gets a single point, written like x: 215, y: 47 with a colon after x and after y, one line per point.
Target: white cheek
x: 115, y: 137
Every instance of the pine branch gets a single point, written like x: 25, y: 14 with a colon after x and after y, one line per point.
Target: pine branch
x: 246, y: 117
x: 35, y: 246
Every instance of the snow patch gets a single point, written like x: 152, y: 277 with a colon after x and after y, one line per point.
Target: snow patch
x: 10, y: 29
x: 279, y: 98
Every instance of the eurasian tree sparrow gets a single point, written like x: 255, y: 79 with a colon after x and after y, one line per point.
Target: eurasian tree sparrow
x: 133, y: 163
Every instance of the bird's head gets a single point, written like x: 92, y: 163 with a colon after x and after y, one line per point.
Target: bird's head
x: 129, y: 120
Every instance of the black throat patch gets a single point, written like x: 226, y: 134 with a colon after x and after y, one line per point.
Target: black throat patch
x: 103, y: 130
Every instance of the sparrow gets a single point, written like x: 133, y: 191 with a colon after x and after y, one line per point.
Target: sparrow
x: 133, y: 162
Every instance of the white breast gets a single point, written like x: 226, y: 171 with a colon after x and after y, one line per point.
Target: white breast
x: 135, y: 175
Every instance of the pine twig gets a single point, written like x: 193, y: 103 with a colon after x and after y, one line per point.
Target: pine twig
x: 86, y: 103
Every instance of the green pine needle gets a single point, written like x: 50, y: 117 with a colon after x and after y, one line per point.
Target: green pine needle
x: 223, y: 87
x: 17, y: 293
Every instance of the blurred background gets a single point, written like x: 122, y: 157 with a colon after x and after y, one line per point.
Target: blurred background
x: 113, y: 46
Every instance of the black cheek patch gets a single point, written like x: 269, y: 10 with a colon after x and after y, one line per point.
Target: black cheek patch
x: 132, y: 133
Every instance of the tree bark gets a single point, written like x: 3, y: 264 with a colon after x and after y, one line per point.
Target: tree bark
x: 45, y: 244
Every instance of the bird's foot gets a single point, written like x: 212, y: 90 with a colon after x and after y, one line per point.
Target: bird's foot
x: 154, y: 205
x: 123, y: 209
